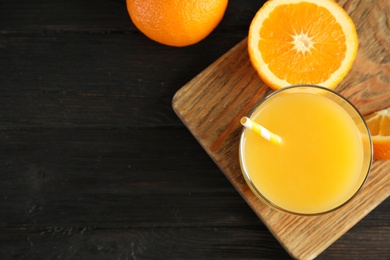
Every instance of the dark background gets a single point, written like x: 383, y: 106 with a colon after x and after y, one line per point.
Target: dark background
x: 94, y: 162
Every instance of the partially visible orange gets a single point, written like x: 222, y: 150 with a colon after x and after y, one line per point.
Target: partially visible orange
x: 176, y: 22
x: 302, y: 42
x: 379, y: 125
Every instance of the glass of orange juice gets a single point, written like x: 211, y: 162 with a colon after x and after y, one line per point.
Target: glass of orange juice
x: 324, y: 156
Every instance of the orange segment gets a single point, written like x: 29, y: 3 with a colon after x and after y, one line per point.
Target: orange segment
x: 379, y: 124
x: 302, y: 42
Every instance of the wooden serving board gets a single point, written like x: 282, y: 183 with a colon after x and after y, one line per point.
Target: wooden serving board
x: 213, y: 102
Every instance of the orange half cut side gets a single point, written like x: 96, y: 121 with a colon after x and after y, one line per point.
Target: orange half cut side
x: 379, y: 125
x: 302, y: 42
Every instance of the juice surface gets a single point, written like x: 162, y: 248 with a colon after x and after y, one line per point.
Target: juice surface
x: 317, y: 165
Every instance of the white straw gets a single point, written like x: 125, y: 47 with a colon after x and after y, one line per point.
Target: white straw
x: 265, y: 133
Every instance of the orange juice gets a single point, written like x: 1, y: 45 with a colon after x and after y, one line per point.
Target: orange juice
x: 321, y: 161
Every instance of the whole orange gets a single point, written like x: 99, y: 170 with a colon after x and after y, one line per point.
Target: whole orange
x: 176, y: 22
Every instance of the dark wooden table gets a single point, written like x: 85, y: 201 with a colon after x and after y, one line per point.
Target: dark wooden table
x: 94, y: 162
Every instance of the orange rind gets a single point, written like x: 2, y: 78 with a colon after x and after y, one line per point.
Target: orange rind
x: 379, y: 125
x: 294, y: 42
x: 176, y: 22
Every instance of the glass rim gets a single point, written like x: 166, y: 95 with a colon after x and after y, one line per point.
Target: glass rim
x: 253, y: 187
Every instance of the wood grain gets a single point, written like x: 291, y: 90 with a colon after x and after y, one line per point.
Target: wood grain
x: 211, y: 104
x: 94, y: 162
x: 367, y: 84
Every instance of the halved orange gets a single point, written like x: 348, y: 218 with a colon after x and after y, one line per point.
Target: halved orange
x: 302, y: 42
x: 379, y: 125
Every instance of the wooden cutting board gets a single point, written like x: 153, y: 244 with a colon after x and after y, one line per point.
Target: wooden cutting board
x: 213, y: 102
